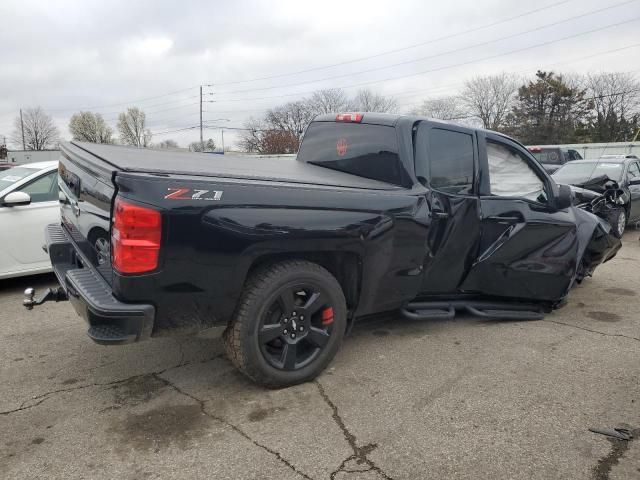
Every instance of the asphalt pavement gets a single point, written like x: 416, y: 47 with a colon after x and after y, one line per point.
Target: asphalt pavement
x: 463, y: 398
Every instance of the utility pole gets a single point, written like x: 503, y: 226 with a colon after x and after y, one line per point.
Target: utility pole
x: 24, y: 147
x: 223, y: 141
x: 201, y: 140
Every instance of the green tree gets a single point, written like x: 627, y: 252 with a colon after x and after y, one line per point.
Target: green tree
x: 550, y: 110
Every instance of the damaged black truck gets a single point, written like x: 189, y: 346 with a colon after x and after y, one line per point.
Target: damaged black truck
x: 377, y: 213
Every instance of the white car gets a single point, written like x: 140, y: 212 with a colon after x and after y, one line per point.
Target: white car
x: 28, y: 203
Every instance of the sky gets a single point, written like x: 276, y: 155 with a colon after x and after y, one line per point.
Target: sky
x: 72, y: 55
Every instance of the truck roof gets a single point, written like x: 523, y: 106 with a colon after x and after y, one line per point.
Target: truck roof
x: 109, y: 159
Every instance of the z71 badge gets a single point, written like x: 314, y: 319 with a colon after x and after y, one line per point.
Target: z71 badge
x: 193, y: 194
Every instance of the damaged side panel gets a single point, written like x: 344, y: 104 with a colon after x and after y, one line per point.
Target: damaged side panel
x: 526, y: 252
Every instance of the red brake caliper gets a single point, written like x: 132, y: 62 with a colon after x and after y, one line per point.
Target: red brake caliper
x: 327, y: 316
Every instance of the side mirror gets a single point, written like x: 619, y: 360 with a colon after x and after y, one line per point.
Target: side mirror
x: 564, y: 198
x: 15, y: 199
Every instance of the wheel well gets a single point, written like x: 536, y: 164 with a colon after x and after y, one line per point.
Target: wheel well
x: 345, y: 266
x: 96, y: 232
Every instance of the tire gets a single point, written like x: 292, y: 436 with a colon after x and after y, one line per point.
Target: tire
x: 99, y: 240
x: 617, y: 218
x: 294, y: 302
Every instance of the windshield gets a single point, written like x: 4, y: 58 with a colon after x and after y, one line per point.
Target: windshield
x: 575, y: 173
x: 548, y: 155
x: 13, y: 175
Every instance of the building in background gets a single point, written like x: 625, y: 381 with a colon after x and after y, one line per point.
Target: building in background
x: 18, y: 157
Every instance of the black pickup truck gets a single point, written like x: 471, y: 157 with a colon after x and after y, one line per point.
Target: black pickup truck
x: 377, y: 213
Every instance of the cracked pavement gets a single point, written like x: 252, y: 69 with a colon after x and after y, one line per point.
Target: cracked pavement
x: 462, y: 398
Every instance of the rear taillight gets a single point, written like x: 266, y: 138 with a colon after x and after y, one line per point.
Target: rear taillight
x: 135, y: 238
x: 349, y: 117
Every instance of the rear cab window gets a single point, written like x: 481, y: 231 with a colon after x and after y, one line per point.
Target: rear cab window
x: 450, y: 165
x: 365, y: 150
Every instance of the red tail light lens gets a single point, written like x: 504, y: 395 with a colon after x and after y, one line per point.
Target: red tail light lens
x: 349, y: 117
x: 135, y: 238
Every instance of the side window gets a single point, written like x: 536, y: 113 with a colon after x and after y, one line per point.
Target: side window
x: 574, y: 155
x: 450, y: 160
x: 44, y: 189
x: 634, y: 172
x: 511, y: 176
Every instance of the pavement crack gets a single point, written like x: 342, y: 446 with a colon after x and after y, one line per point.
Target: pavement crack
x: 225, y: 422
x: 360, y: 454
x: 592, y: 331
x: 618, y: 449
x: 41, y: 398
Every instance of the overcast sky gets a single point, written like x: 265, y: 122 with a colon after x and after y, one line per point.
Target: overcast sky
x: 103, y: 56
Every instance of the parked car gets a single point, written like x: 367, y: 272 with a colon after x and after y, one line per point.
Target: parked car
x: 610, y: 185
x: 377, y: 213
x: 553, y: 158
x: 28, y: 203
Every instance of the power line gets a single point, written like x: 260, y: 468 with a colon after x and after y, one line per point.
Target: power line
x: 490, y: 57
x: 445, y: 86
x: 154, y: 105
x: 158, y: 111
x: 129, y: 102
x: 333, y: 77
x: 392, y: 94
x: 401, y: 49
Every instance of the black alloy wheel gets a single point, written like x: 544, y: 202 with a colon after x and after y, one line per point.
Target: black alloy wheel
x: 288, y: 325
x: 296, y: 326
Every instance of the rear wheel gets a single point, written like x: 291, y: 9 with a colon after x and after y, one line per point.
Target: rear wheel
x: 99, y: 240
x: 289, y: 324
x: 617, y: 218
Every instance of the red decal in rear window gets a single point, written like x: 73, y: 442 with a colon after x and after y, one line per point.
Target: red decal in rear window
x: 341, y: 147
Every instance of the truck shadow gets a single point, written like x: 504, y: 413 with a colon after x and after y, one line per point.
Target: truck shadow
x: 18, y: 284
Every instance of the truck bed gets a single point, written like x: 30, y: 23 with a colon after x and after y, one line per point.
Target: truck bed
x: 113, y: 158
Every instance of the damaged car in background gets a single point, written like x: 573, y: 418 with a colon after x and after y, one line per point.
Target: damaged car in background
x: 608, y: 187
x: 377, y: 213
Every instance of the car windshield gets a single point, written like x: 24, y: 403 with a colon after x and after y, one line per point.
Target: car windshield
x: 13, y: 175
x: 547, y: 155
x: 575, y: 173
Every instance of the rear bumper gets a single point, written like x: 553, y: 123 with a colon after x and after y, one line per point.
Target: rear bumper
x: 111, y: 322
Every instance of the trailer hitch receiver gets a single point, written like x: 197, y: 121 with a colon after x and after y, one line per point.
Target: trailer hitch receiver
x: 51, y: 295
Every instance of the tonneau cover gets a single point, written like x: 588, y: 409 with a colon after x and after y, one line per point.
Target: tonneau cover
x: 282, y: 169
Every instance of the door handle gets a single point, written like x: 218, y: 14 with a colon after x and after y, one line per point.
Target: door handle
x: 504, y: 219
x: 439, y: 215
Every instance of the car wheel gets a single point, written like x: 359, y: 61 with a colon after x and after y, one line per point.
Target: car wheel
x: 99, y: 240
x: 289, y: 324
x: 618, y: 220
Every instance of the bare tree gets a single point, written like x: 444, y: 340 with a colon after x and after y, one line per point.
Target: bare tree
x: 251, y: 136
x: 447, y: 108
x: 40, y: 133
x: 132, y: 128
x: 90, y: 127
x: 368, y: 101
x: 616, y: 102
x: 207, y: 146
x: 490, y: 98
x: 330, y: 100
x: 259, y: 138
x: 292, y: 117
x: 167, y: 144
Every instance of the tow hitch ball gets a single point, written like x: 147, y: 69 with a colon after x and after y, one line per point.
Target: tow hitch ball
x: 51, y: 295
